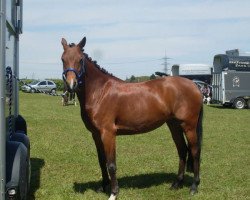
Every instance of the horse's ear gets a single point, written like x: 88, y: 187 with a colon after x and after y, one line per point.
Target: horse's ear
x: 64, y: 43
x: 82, y: 43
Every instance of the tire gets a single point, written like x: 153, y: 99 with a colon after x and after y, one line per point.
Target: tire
x: 239, y: 103
x: 32, y: 90
x: 53, y: 91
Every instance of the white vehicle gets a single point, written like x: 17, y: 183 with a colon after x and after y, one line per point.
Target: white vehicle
x: 202, y: 72
x: 40, y: 86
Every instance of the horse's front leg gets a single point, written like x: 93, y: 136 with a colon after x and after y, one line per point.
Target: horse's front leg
x: 102, y: 161
x: 109, y: 144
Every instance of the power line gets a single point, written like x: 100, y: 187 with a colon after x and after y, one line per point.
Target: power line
x: 165, y: 63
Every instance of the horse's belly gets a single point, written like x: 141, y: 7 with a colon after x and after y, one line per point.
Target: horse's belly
x: 139, y: 123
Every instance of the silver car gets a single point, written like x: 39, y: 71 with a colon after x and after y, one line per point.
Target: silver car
x: 40, y: 86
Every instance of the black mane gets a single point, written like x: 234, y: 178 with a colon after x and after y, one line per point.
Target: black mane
x: 98, y: 66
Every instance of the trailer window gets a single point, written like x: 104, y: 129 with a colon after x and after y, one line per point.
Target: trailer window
x: 217, y: 61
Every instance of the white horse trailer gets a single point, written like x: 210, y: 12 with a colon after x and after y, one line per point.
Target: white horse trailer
x: 14, y: 142
x: 202, y: 72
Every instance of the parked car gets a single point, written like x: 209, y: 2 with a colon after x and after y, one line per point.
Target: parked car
x: 40, y: 86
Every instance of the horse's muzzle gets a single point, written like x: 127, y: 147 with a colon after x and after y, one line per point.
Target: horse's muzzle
x: 72, y: 85
x: 72, y: 78
x: 70, y: 81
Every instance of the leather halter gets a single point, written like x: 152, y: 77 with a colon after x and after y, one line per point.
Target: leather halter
x: 78, y: 74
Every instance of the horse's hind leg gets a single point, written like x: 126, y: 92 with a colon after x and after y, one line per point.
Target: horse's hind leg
x: 177, y: 134
x: 193, y: 134
x: 194, y: 155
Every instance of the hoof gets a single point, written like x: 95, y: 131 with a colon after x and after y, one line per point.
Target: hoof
x: 176, y: 185
x: 193, y: 190
x: 112, y: 197
x: 100, y: 190
x: 103, y: 189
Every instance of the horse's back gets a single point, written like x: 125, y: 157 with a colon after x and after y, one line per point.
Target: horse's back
x: 171, y: 89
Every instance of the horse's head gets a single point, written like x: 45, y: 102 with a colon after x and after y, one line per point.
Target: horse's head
x: 73, y: 64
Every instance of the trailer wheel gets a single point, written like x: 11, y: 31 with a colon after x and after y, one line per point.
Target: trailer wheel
x: 239, y: 103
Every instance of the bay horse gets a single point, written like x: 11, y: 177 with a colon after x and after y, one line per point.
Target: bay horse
x: 111, y: 107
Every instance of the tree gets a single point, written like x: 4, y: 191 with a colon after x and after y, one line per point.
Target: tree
x: 152, y: 77
x: 132, y: 79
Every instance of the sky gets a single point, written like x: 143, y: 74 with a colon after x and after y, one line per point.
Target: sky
x: 131, y: 37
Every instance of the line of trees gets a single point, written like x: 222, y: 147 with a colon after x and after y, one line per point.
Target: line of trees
x: 134, y: 79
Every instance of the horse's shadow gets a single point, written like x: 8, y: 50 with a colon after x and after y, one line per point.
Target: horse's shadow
x: 137, y: 181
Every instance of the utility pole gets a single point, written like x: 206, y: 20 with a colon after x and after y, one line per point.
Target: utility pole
x: 165, y: 63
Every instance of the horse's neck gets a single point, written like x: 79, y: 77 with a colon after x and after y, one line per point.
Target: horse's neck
x: 93, y: 84
x: 95, y: 78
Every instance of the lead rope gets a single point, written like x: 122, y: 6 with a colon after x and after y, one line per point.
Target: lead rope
x: 9, y: 85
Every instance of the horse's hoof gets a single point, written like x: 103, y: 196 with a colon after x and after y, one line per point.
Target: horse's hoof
x: 176, y: 185
x: 100, y: 190
x: 103, y: 189
x: 112, y: 197
x: 193, y: 191
x: 194, y: 188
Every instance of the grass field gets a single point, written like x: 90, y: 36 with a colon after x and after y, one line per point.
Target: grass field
x: 64, y: 160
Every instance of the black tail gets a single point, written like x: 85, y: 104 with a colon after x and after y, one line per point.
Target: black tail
x: 199, y: 130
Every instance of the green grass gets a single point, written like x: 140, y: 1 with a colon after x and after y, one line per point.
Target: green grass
x: 65, y: 166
